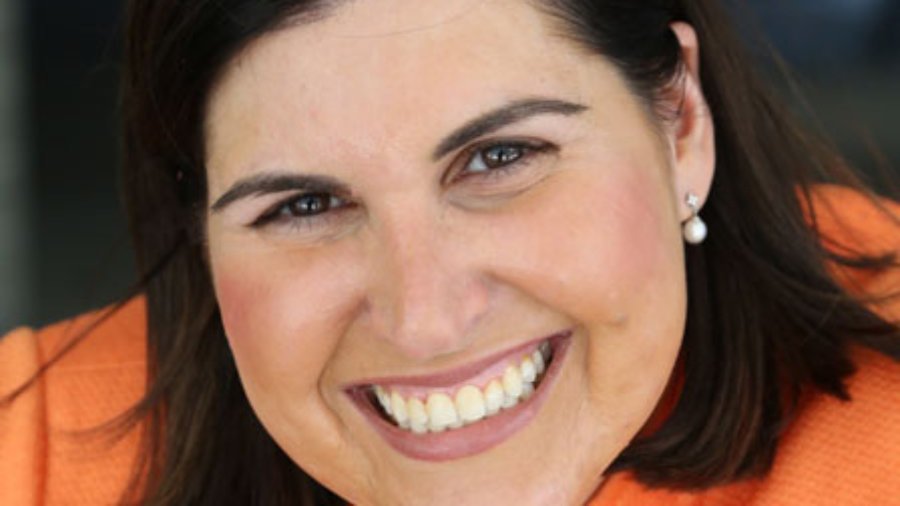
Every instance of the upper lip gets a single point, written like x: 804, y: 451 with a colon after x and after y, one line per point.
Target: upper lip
x: 457, y: 374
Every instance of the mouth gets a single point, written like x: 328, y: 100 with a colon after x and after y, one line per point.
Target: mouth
x: 467, y: 410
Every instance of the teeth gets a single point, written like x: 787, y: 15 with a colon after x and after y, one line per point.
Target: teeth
x: 544, y: 349
x: 398, y: 410
x: 527, y: 390
x: 383, y: 399
x: 418, y: 416
x: 470, y: 404
x: 538, y: 360
x: 441, y: 412
x: 512, y: 382
x: 493, y: 397
x: 528, y: 370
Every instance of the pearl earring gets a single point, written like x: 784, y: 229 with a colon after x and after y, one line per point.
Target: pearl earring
x: 694, y: 229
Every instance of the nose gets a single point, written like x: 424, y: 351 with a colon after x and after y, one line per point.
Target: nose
x: 426, y: 293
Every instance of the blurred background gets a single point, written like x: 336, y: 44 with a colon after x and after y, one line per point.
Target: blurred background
x: 63, y: 243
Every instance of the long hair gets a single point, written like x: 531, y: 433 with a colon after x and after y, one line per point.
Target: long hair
x: 766, y: 321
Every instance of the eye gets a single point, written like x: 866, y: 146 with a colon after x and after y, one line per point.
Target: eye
x: 309, y: 204
x: 495, y: 156
x: 500, y: 158
x: 303, y: 208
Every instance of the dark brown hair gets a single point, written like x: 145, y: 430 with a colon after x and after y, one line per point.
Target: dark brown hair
x: 765, y: 321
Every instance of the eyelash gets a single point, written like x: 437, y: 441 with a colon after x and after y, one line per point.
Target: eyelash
x: 527, y: 149
x: 282, y: 211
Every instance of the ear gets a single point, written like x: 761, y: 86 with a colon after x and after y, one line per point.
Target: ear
x: 692, y: 133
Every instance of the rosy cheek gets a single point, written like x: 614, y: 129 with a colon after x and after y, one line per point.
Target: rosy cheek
x: 634, y: 212
x: 648, y: 280
x: 283, y: 316
x: 236, y: 299
x: 599, y: 243
x: 243, y: 305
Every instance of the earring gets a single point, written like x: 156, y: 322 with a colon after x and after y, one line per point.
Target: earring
x: 694, y: 229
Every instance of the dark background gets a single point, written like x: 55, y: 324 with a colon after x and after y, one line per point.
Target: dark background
x: 63, y: 243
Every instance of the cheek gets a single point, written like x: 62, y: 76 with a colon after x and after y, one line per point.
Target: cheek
x: 608, y: 254
x: 283, y: 315
x: 635, y: 297
x: 633, y: 264
x: 636, y: 235
x: 597, y: 246
x: 627, y: 241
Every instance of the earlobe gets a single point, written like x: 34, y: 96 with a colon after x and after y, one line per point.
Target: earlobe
x: 693, y: 139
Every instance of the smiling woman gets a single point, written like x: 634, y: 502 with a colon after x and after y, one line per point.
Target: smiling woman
x: 456, y: 253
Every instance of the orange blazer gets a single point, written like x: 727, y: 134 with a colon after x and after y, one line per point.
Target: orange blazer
x: 835, y: 453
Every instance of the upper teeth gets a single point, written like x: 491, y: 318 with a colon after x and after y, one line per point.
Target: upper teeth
x: 440, y: 411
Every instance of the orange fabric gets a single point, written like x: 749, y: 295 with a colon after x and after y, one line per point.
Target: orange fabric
x: 834, y: 453
x: 43, y: 457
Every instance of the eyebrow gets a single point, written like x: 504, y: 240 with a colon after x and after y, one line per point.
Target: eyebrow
x: 484, y: 124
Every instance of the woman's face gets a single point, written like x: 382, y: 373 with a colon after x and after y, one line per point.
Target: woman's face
x: 417, y: 203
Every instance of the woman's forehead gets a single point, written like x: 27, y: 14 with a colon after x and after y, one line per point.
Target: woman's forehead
x: 367, y: 48
x: 367, y: 18
x: 368, y: 78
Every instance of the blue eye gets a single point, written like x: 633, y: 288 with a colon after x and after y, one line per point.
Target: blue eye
x: 309, y: 204
x: 500, y: 158
x: 302, y: 208
x: 496, y: 156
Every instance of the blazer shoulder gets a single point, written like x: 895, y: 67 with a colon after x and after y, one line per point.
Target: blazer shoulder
x: 843, y: 452
x: 108, y: 336
x: 86, y: 371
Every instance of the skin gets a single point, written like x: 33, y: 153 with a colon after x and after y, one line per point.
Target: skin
x: 428, y: 270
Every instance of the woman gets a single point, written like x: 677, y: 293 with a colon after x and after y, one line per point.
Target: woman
x: 456, y: 253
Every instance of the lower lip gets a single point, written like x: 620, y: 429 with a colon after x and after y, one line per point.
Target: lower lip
x: 471, y: 439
